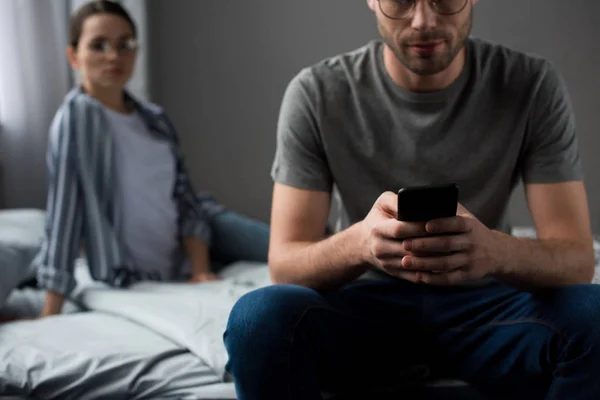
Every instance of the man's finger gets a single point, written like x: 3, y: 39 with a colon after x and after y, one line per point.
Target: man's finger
x: 437, y: 244
x: 443, y: 263
x: 384, y: 249
x: 388, y: 202
x: 432, y: 278
x: 456, y: 224
x: 393, y: 267
x: 410, y: 276
x: 461, y: 210
x: 443, y: 279
x: 393, y: 229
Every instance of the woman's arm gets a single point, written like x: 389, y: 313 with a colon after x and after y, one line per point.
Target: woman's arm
x: 56, y: 260
x: 194, y: 220
x: 198, y: 255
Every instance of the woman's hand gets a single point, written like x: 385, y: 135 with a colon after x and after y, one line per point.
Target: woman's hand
x: 203, y: 277
x: 5, y: 319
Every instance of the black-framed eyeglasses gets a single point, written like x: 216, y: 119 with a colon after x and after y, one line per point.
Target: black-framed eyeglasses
x: 403, y: 9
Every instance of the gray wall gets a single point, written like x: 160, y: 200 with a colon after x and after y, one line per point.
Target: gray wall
x: 220, y: 69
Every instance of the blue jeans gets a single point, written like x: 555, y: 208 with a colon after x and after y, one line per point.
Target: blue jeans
x: 290, y: 342
x: 237, y: 238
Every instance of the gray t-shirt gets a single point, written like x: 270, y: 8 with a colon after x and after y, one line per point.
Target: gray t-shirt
x: 345, y: 124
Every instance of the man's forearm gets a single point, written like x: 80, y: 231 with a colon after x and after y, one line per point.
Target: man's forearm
x: 326, y: 264
x: 198, y: 255
x: 546, y: 262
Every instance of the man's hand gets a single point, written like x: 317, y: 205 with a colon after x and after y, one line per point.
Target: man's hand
x: 467, y: 250
x: 383, y: 235
x: 203, y: 277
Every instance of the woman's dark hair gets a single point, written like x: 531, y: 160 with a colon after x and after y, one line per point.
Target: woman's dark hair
x: 94, y: 8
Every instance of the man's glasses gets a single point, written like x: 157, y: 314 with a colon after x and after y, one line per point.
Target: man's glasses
x: 122, y: 48
x: 402, y: 9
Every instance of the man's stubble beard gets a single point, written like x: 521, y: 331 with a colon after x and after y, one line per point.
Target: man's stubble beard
x: 425, y: 66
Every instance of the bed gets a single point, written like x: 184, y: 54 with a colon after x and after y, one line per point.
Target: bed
x: 150, y: 341
x: 141, y: 343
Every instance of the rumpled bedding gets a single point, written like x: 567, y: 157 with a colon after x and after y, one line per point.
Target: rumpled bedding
x: 152, y: 338
x: 149, y: 341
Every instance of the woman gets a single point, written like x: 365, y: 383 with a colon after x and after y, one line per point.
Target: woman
x: 119, y: 189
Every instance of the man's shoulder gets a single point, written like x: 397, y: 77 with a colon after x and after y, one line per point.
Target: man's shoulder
x: 502, y: 60
x: 349, y: 66
x: 353, y: 60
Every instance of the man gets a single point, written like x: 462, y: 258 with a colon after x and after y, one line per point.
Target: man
x: 428, y: 105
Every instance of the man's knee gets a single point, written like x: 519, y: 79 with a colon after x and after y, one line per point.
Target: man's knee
x: 264, y: 319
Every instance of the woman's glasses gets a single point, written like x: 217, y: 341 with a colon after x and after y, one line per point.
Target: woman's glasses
x: 122, y: 47
x: 402, y: 9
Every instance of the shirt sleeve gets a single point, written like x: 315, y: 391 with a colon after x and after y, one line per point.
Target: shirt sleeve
x: 56, y: 261
x: 551, y: 151
x: 300, y: 159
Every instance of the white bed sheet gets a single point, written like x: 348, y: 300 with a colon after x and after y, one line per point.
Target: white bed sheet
x: 95, y: 355
x: 132, y: 343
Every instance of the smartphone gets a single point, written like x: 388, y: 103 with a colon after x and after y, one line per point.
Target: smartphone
x: 425, y: 203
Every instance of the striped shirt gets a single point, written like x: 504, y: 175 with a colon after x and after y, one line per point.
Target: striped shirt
x: 83, y: 207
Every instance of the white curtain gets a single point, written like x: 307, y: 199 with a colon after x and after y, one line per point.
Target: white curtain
x: 139, y: 82
x: 34, y: 77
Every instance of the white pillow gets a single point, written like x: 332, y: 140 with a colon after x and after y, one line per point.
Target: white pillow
x: 21, y: 236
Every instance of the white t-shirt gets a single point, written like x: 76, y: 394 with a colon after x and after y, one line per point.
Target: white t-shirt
x: 146, y: 178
